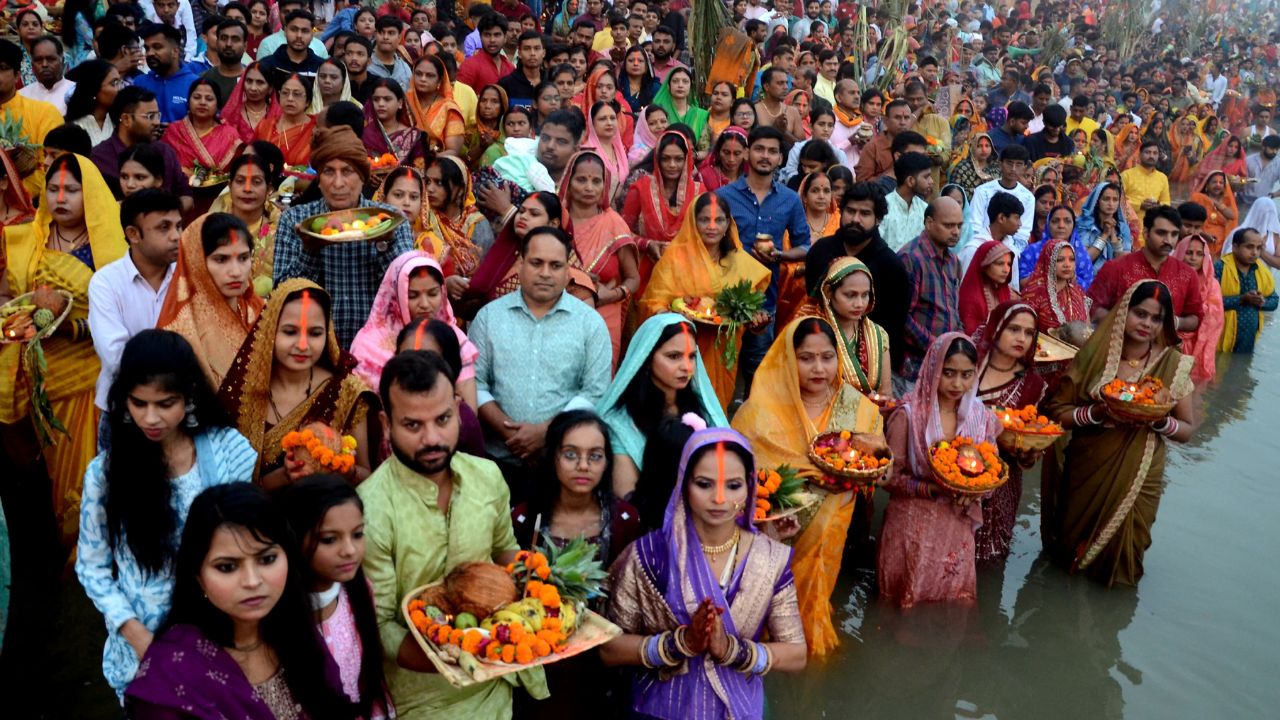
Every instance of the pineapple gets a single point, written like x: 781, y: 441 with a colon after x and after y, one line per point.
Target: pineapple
x: 575, y: 571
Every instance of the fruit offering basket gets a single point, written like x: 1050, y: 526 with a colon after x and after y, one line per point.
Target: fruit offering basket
x: 781, y: 494
x: 849, y: 459
x: 700, y: 310
x: 967, y: 468
x: 1026, y: 430
x: 485, y: 621
x: 1144, y: 401
x: 354, y: 225
x: 1050, y: 349
x: 34, y: 315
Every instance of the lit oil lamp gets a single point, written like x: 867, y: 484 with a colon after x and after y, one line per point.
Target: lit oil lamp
x: 969, y: 460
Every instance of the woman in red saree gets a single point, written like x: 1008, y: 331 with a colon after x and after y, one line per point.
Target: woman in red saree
x: 658, y: 200
x: 1052, y: 289
x: 1227, y: 157
x: 985, y: 283
x: 606, y: 249
x: 432, y: 106
x: 201, y: 138
x: 291, y: 131
x: 725, y: 162
x: 251, y: 102
x: 457, y: 230
x: 601, y: 85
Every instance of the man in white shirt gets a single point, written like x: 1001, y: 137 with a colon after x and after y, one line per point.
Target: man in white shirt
x: 1215, y: 85
x: 1013, y: 163
x: 125, y: 296
x: 47, y: 64
x: 175, y: 13
x: 905, y: 220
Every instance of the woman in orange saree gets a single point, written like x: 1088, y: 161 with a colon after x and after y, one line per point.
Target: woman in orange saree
x: 213, y: 313
x: 1186, y: 151
x: 703, y: 258
x: 200, y: 138
x: 1217, y: 198
x: 1128, y: 142
x: 61, y: 251
x: 292, y: 130
x: 604, y: 243
x: 433, y: 108
x: 799, y: 392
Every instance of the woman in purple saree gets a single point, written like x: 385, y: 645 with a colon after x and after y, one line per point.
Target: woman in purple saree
x: 695, y: 597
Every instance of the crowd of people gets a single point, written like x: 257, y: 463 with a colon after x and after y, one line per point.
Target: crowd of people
x: 917, y: 192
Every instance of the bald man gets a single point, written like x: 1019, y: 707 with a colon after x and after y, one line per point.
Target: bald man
x: 848, y: 118
x: 934, y: 274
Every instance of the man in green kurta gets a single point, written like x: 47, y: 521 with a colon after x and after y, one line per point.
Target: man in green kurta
x: 427, y: 510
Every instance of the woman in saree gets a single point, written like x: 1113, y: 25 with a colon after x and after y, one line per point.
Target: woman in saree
x: 489, y: 126
x: 926, y: 549
x: 658, y: 200
x: 655, y: 123
x: 496, y: 275
x: 1053, y: 288
x: 602, y: 240
x: 986, y: 283
x: 412, y: 288
x: 458, y: 232
x: 290, y: 372
x: 1007, y: 378
x: 1097, y: 159
x: 1228, y: 157
x: 562, y: 23
x: 1128, y: 143
x: 694, y: 598
x: 1186, y: 150
x: 848, y: 295
x: 604, y: 135
x: 1219, y: 200
x: 601, y: 85
x: 705, y: 257
x: 1060, y: 224
x: 974, y: 164
x: 332, y: 86
x: 1202, y: 343
x: 636, y: 80
x: 1102, y: 227
x: 388, y: 126
x: 210, y: 301
x: 722, y: 97
x: 727, y: 158
x: 800, y: 392
x: 200, y: 138
x: 291, y: 130
x: 662, y: 376
x: 252, y: 103
x: 61, y: 249
x: 1046, y: 196
x: 248, y: 198
x: 1099, y: 505
x: 676, y: 97
x: 433, y: 108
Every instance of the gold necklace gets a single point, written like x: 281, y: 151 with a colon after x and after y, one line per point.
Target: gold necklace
x: 726, y: 547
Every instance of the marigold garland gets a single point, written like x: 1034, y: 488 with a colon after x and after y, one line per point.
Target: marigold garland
x: 944, y: 457
x: 340, y: 461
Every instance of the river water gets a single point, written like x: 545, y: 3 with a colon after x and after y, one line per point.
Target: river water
x: 1197, y: 639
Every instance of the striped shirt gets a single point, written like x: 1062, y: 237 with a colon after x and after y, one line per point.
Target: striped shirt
x: 934, y: 276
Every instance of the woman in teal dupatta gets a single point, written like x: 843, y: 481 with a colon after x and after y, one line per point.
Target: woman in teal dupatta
x: 662, y: 374
x: 676, y: 97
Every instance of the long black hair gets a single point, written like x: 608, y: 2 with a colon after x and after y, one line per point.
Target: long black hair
x: 645, y: 403
x: 139, y: 489
x: 547, y: 490
x: 657, y: 480
x: 442, y: 333
x: 287, y: 629
x: 305, y: 504
x: 88, y: 77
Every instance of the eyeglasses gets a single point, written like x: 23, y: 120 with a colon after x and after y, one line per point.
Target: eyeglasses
x: 151, y: 116
x: 572, y: 456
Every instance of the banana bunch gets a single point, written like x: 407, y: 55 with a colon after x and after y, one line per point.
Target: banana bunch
x: 527, y: 613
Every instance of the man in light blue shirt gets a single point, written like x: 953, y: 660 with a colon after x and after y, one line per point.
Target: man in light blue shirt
x: 541, y: 351
x: 762, y: 206
x: 273, y: 41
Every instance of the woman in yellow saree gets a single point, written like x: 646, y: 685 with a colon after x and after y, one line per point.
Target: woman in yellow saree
x: 62, y: 251
x: 431, y: 104
x: 1098, y: 507
x: 703, y: 258
x: 800, y: 391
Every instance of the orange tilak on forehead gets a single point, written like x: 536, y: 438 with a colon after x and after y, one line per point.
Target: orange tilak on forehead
x: 719, y: 473
x: 306, y: 305
x: 248, y: 180
x: 688, y: 339
x: 62, y: 182
x: 417, y: 336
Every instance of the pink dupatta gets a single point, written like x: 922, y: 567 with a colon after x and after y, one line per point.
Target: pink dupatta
x: 376, y: 342
x: 1202, y: 344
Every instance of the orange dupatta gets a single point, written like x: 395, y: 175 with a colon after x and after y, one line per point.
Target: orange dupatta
x: 1218, y: 226
x: 195, y: 309
x: 435, y: 118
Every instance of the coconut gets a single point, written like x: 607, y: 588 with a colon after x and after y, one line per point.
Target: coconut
x: 479, y: 588
x: 327, y: 436
x: 50, y: 299
x: 436, y: 595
